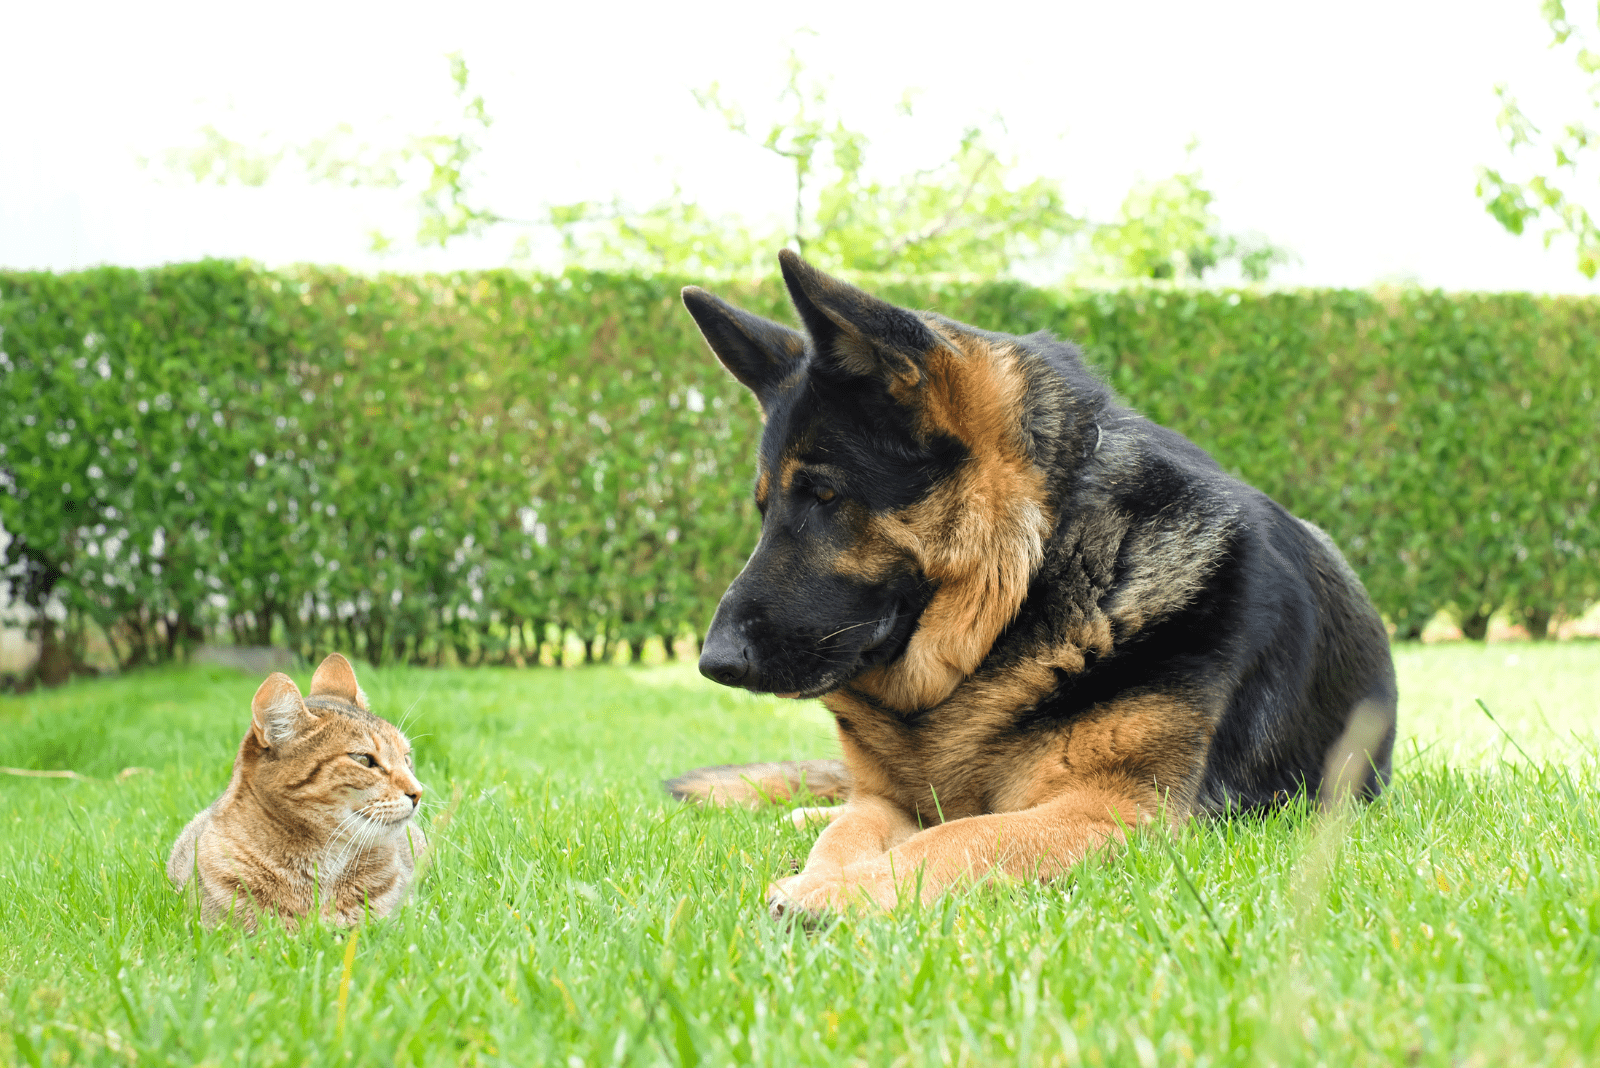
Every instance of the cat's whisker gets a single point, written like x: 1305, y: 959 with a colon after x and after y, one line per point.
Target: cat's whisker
x: 334, y: 863
x: 350, y: 818
x: 347, y: 833
x: 358, y: 842
x: 358, y: 847
x: 344, y: 853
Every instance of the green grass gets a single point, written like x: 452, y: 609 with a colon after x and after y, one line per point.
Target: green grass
x: 574, y: 916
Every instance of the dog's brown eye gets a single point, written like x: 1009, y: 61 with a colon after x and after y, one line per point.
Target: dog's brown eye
x: 824, y: 494
x: 364, y: 759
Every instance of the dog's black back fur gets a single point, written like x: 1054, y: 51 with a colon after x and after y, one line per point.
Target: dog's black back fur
x: 1280, y: 623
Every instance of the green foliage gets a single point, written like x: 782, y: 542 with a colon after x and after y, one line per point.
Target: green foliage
x: 401, y: 464
x: 135, y: 403
x: 438, y: 167
x: 805, y: 139
x: 404, y: 467
x: 572, y: 914
x: 1550, y: 191
x: 220, y: 160
x: 444, y: 202
x: 967, y: 216
x: 675, y: 235
x: 1167, y: 230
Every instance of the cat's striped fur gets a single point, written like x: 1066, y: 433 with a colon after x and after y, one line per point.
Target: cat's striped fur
x: 317, y: 817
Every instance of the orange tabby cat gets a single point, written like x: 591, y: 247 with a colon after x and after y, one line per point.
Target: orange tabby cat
x: 318, y: 812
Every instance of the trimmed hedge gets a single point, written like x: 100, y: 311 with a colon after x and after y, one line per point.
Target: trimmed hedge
x: 401, y: 466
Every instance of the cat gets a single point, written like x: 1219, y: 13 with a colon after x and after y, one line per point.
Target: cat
x: 318, y: 814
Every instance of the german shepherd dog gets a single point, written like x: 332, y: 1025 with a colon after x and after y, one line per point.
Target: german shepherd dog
x: 1038, y: 619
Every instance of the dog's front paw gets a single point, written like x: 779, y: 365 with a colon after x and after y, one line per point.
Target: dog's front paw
x: 783, y: 903
x: 810, y: 895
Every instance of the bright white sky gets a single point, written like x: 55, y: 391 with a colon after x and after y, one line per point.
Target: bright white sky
x: 1348, y: 132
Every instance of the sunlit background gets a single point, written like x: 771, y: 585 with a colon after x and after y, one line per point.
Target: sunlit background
x: 1349, y: 135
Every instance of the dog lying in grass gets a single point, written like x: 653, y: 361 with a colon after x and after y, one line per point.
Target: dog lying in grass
x: 1037, y: 618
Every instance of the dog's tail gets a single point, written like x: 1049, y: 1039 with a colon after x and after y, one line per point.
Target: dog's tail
x: 752, y: 785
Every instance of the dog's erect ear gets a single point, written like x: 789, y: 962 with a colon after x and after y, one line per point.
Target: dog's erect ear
x: 759, y: 352
x: 855, y: 333
x: 277, y: 713
x: 336, y: 678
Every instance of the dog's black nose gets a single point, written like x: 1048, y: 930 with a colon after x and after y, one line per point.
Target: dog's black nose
x: 724, y: 660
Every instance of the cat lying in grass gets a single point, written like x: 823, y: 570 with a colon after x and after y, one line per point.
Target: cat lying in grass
x: 318, y: 814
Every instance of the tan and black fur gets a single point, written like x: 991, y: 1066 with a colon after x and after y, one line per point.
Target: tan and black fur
x: 1037, y: 618
x: 318, y: 812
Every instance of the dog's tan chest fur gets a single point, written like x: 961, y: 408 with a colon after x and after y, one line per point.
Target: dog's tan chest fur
x: 964, y: 758
x: 955, y: 760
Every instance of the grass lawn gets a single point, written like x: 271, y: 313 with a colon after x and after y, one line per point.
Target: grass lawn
x: 576, y: 917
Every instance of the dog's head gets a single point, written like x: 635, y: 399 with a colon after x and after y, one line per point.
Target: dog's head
x: 902, y: 492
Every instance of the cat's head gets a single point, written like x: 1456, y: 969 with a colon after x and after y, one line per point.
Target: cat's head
x: 324, y: 762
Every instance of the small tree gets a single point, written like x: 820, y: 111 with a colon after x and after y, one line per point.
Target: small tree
x: 1549, y: 193
x: 1167, y: 230
x: 438, y: 167
x: 967, y: 215
x: 675, y: 235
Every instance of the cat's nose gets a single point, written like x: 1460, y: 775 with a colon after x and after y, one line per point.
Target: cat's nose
x: 416, y: 799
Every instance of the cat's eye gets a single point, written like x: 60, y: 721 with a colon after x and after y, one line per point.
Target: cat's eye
x: 823, y: 493
x: 364, y: 759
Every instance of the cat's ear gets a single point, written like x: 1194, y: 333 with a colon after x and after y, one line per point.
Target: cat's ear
x: 336, y: 678
x: 278, y: 713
